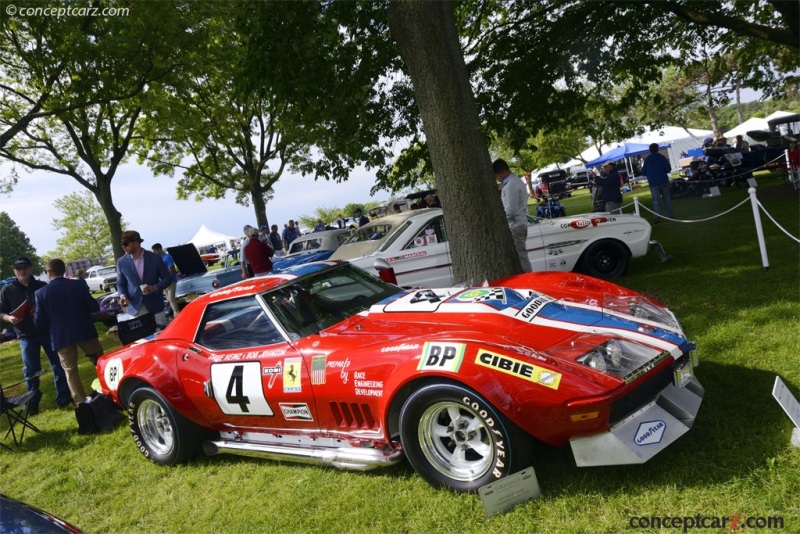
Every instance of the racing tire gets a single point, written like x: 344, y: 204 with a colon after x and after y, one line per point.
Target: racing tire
x: 605, y: 259
x: 160, y: 433
x: 455, y: 439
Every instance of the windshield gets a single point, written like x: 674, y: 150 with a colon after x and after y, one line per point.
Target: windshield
x: 321, y: 300
x: 372, y: 232
x: 105, y: 271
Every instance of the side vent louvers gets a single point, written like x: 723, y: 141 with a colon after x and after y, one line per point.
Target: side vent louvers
x: 352, y: 415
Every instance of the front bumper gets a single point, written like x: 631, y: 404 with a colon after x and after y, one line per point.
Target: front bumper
x: 646, y: 432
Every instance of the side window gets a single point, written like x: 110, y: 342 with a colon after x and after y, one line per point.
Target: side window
x: 433, y: 232
x: 236, y: 324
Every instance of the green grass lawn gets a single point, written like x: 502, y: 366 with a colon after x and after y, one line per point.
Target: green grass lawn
x: 736, y: 461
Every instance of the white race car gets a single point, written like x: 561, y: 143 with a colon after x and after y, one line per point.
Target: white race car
x: 416, y: 246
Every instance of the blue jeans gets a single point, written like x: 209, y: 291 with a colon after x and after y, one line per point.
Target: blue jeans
x: 660, y: 192
x: 32, y: 364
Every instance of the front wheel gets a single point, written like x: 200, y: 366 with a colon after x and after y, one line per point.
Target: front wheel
x: 605, y: 259
x: 161, y: 433
x: 455, y: 439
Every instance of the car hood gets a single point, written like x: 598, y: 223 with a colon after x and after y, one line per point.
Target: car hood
x: 350, y: 251
x: 504, y: 316
x: 187, y: 259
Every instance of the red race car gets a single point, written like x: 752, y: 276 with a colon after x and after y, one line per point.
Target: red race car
x: 325, y: 363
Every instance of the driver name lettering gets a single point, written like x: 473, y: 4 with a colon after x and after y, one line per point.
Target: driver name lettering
x: 252, y: 355
x: 342, y: 365
x: 532, y: 373
x: 407, y: 256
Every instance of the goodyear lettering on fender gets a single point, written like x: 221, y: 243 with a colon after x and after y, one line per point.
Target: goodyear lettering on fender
x: 526, y: 371
x: 532, y: 309
x: 441, y: 357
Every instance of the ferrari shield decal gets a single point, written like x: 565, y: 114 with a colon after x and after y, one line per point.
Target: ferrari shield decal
x: 526, y: 371
x: 441, y: 357
x: 292, y: 375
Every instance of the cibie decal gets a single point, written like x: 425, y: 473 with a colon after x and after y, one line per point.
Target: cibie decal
x: 532, y: 308
x: 113, y: 373
x: 237, y: 388
x: 318, y: 369
x: 505, y: 364
x: 292, y: 375
x: 650, y: 432
x: 441, y: 357
x: 293, y: 411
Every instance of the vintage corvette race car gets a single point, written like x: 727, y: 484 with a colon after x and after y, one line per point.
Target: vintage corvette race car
x: 416, y: 245
x: 328, y: 364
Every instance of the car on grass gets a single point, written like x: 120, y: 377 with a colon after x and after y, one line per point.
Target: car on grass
x: 101, y: 278
x: 579, y: 179
x: 195, y: 279
x: 416, y: 245
x: 325, y: 363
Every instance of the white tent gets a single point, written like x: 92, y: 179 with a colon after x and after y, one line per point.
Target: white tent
x: 205, y: 237
x: 753, y: 123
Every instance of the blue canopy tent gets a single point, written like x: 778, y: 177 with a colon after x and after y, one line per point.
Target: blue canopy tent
x: 625, y: 150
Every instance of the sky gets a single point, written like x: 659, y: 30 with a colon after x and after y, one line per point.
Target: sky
x: 150, y: 205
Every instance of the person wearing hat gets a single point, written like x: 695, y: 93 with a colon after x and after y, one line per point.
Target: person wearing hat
x: 360, y: 218
x: 515, y: 205
x: 64, y: 308
x: 17, y: 303
x: 142, y: 276
x: 258, y: 253
x: 611, y: 194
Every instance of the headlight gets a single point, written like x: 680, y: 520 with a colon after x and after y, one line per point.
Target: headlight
x: 641, y: 308
x: 619, y: 357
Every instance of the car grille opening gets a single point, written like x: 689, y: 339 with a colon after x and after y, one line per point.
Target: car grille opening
x: 640, y: 396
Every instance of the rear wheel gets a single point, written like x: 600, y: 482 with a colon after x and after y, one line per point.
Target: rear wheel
x: 161, y: 433
x: 605, y: 259
x: 455, y: 439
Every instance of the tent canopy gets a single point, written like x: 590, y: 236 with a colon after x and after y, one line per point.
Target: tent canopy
x: 625, y: 150
x: 206, y: 237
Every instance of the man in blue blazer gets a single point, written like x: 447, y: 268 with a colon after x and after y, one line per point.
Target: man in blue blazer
x: 64, y: 308
x: 142, y: 276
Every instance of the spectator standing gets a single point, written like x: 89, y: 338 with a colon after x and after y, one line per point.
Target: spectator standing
x: 290, y: 233
x: 656, y: 168
x: 17, y: 303
x: 263, y: 233
x: 64, y: 308
x: 170, y: 263
x: 515, y: 204
x: 360, y: 218
x: 320, y: 226
x: 275, y: 241
x: 741, y: 145
x: 247, y: 271
x: 341, y: 222
x: 432, y: 201
x: 610, y: 194
x: 142, y: 276
x: 259, y: 254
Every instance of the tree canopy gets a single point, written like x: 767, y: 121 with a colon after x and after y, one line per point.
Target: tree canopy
x: 14, y: 243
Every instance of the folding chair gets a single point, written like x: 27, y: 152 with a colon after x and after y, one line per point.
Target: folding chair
x: 15, y: 410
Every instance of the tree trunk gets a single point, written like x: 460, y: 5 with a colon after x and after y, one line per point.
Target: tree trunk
x: 102, y: 193
x: 739, y: 113
x: 480, y: 241
x: 712, y: 112
x: 260, y: 207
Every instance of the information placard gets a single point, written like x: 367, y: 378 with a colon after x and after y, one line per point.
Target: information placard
x: 787, y: 401
x: 506, y: 493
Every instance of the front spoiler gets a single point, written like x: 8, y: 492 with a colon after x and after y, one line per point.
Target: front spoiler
x: 645, y: 433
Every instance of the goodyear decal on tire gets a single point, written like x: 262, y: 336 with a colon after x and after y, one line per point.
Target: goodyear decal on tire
x: 526, y: 371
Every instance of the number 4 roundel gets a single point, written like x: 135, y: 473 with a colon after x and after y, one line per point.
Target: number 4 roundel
x: 238, y: 389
